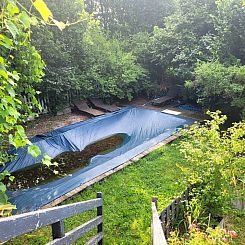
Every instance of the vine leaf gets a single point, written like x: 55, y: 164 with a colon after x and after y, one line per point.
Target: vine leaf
x: 12, y: 28
x: 34, y: 150
x: 42, y: 8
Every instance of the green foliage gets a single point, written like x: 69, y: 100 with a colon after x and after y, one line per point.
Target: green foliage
x: 82, y: 60
x: 208, y: 237
x: 21, y: 67
x: 216, y: 164
x: 220, y: 87
x: 110, y: 70
x: 199, y: 31
x: 125, y: 17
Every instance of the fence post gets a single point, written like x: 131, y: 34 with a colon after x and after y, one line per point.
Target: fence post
x: 58, y: 229
x: 100, y: 213
x: 154, y: 199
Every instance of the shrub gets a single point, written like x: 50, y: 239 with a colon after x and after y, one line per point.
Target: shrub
x: 216, y: 164
x: 218, y: 86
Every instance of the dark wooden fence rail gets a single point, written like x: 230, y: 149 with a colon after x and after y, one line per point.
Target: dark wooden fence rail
x: 17, y: 225
x: 169, y: 215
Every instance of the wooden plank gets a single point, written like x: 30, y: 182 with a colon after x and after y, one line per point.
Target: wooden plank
x: 177, y: 201
x: 108, y: 173
x: 99, y: 104
x: 17, y: 225
x: 82, y: 106
x: 158, y: 237
x: 96, y: 239
x: 168, y: 213
x: 77, y: 233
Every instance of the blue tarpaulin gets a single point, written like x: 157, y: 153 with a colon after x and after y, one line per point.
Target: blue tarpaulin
x: 143, y: 128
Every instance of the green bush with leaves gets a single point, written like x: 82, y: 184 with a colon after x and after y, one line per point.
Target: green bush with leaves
x: 110, y: 70
x: 219, y: 87
x: 216, y: 165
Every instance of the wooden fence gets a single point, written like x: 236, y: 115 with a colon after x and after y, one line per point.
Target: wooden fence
x: 158, y: 237
x: 45, y: 99
x: 172, y: 212
x: 167, y: 218
x: 18, y: 225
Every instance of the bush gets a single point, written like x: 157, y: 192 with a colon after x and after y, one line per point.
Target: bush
x: 218, y: 86
x: 216, y: 165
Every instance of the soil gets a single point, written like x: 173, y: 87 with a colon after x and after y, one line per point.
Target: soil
x: 47, y: 123
x: 68, y: 163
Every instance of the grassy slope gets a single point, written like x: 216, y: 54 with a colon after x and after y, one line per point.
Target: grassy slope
x: 127, y: 199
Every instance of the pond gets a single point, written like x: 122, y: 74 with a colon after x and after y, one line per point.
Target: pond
x: 68, y: 163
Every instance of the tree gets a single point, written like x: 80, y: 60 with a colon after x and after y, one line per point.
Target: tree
x: 220, y: 87
x: 125, y: 17
x: 199, y: 31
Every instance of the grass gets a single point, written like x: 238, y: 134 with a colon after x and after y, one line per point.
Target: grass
x: 127, y: 199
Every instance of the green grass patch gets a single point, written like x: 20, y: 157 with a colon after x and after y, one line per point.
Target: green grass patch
x: 127, y: 199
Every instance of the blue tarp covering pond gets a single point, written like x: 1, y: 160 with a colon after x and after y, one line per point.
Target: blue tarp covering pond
x: 143, y: 128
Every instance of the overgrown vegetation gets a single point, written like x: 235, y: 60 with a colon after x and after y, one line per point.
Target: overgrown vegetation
x: 117, y: 50
x: 215, y: 173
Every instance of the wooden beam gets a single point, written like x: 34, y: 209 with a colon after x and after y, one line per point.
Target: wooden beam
x: 58, y: 229
x: 96, y: 239
x: 17, y: 225
x: 100, y: 213
x: 158, y: 237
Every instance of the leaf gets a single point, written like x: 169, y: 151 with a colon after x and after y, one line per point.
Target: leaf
x: 42, y: 8
x: 2, y: 187
x: 3, y: 72
x: 15, y: 76
x: 12, y: 8
x: 25, y: 19
x: 56, y: 172
x: 61, y: 25
x: 46, y: 160
x: 12, y: 28
x: 5, y: 41
x: 3, y: 198
x: 34, y: 151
